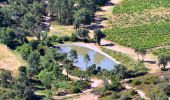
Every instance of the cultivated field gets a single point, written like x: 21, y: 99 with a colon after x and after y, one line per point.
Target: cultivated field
x: 140, y: 23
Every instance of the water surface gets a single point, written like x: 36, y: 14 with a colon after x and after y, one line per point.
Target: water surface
x: 96, y: 58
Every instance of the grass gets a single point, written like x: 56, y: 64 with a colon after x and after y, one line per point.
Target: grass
x: 10, y: 60
x: 144, y: 36
x: 61, y: 30
x: 133, y: 6
x: 123, y: 59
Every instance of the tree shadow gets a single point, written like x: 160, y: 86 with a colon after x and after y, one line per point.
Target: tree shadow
x: 150, y: 62
x: 109, y: 44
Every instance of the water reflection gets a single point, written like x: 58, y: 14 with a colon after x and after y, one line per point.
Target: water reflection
x: 96, y: 58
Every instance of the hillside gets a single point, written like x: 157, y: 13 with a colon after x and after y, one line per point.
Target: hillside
x: 10, y: 60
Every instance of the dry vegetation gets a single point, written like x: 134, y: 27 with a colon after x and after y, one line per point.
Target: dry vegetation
x: 10, y: 60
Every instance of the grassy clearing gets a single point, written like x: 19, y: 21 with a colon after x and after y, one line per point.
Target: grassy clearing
x: 143, y: 36
x: 124, y: 59
x: 61, y: 30
x: 10, y: 60
x: 133, y: 6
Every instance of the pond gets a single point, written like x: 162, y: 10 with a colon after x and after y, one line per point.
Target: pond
x: 95, y: 57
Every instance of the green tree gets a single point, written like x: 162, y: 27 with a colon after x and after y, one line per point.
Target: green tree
x: 141, y: 51
x: 82, y: 34
x: 83, y: 16
x: 29, y: 93
x: 98, y: 35
x: 73, y: 55
x: 68, y: 65
x: 162, y: 60
x: 24, y: 50
x: 120, y: 70
x: 91, y: 69
x: 46, y: 78
x: 22, y: 73
x: 5, y: 77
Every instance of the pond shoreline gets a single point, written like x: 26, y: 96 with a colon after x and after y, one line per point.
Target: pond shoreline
x: 92, y: 47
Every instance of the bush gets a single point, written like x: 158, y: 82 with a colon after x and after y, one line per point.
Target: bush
x: 125, y: 97
x: 75, y: 89
x: 115, y: 96
x: 66, y: 38
x: 132, y: 92
x: 136, y: 82
x: 73, y: 37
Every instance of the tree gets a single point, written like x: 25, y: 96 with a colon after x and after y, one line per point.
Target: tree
x: 22, y: 73
x: 73, y: 55
x: 7, y: 36
x: 91, y: 69
x: 162, y: 60
x: 34, y: 58
x: 29, y: 93
x: 141, y: 51
x: 46, y: 78
x: 87, y: 59
x: 83, y: 16
x: 24, y: 50
x: 68, y: 65
x: 98, y: 35
x: 5, y: 77
x: 82, y: 34
x: 76, y: 24
x: 120, y: 70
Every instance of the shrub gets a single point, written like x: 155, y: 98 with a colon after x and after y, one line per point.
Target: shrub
x: 66, y: 38
x: 73, y: 37
x: 75, y: 89
x: 125, y: 97
x: 115, y: 96
x: 136, y: 82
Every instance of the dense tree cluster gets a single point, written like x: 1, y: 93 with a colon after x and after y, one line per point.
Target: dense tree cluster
x: 72, y: 11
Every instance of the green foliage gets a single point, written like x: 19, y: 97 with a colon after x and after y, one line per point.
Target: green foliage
x: 73, y: 37
x: 143, y: 36
x: 82, y: 34
x: 82, y: 84
x: 158, y: 94
x: 136, y: 82
x: 115, y: 96
x: 7, y: 36
x: 73, y: 55
x: 98, y: 35
x: 76, y: 11
x: 132, y: 6
x: 46, y: 78
x: 162, y: 52
x: 5, y: 77
x: 24, y: 50
x: 83, y: 16
x: 75, y: 89
x: 133, y: 68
